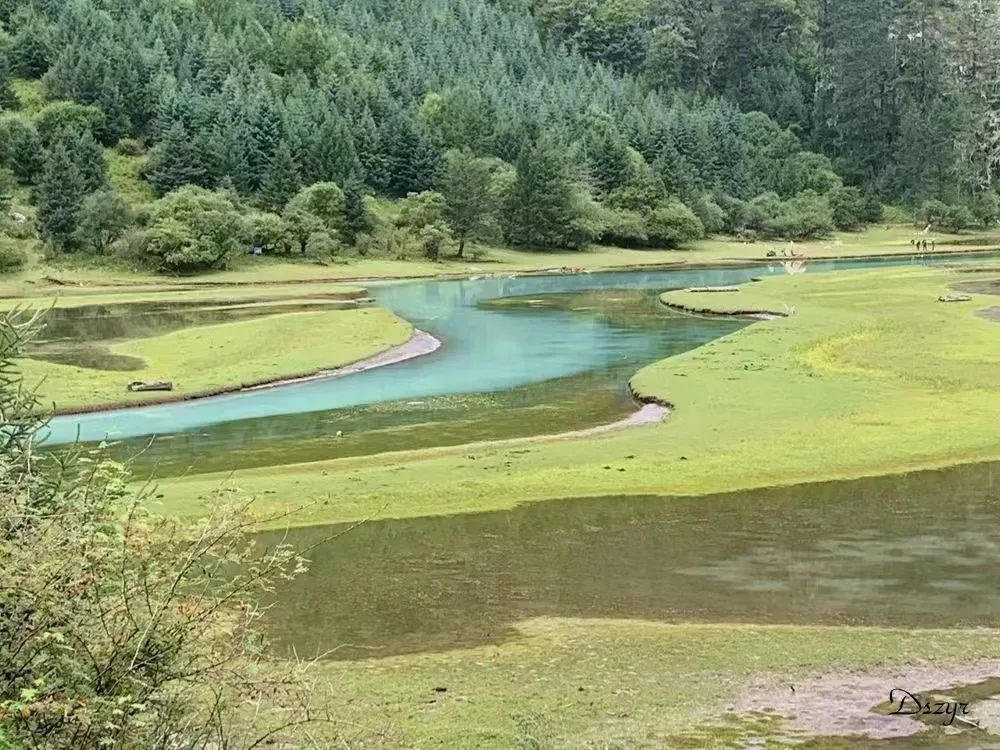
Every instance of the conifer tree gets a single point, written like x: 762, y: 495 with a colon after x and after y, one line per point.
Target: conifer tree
x: 608, y: 156
x: 544, y: 208
x: 335, y: 155
x: 89, y: 158
x: 8, y: 99
x: 412, y: 161
x: 32, y: 46
x: 21, y: 148
x: 356, y: 217
x: 371, y: 155
x: 176, y: 162
x: 470, y: 204
x: 59, y: 197
x: 282, y: 180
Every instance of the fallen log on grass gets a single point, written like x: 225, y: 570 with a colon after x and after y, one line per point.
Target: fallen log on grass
x: 141, y: 386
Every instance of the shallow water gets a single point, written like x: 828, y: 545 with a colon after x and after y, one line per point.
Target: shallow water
x: 916, y: 550
x: 487, y: 348
x: 81, y: 336
x: 595, y: 397
x: 555, y: 406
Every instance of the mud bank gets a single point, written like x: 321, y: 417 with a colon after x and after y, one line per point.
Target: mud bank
x: 991, y: 314
x: 712, y: 313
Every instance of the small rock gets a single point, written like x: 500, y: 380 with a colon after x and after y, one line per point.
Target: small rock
x: 955, y: 298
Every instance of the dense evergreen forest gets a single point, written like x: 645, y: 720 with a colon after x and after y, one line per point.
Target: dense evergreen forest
x: 181, y: 133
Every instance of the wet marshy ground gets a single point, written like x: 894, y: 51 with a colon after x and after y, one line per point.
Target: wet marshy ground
x: 916, y: 550
x: 82, y: 336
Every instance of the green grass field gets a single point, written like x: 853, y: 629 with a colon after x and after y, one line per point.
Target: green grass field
x: 215, y: 358
x: 561, y: 683
x: 871, y: 375
x: 868, y: 374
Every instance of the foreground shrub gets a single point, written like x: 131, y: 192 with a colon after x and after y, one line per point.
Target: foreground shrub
x: 847, y: 207
x: 711, y: 215
x: 986, y: 209
x: 118, y: 629
x: 673, y: 225
x: 805, y: 216
x: 325, y: 201
x: 130, y: 147
x: 670, y: 224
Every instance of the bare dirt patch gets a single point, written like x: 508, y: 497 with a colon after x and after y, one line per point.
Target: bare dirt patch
x: 842, y: 704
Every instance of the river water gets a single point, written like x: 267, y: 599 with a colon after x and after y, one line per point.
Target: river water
x: 487, y: 349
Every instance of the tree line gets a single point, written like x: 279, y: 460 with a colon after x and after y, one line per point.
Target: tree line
x: 553, y: 124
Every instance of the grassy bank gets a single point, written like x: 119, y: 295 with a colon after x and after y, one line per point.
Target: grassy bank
x: 606, y: 684
x: 871, y: 375
x: 37, y: 280
x: 216, y: 358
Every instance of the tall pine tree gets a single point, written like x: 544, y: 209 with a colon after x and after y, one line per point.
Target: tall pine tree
x: 59, y: 197
x: 176, y: 162
x: 544, y: 208
x: 470, y: 204
x: 282, y: 180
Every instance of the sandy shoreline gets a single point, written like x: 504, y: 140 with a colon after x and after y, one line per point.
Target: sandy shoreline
x: 647, y: 414
x: 420, y: 344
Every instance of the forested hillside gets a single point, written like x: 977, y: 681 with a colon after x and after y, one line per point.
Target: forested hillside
x: 180, y: 133
x: 903, y: 94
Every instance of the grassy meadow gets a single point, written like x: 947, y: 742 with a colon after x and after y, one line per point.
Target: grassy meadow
x: 870, y: 375
x: 602, y: 684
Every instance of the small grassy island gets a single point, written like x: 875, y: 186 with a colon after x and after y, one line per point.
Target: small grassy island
x: 214, y: 359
